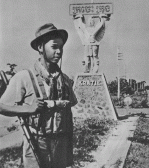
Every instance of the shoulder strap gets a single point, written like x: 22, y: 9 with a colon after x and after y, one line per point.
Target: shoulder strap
x: 40, y: 85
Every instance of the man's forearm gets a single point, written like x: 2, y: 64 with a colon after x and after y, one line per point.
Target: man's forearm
x: 14, y: 110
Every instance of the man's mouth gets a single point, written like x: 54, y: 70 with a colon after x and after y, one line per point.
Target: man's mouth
x: 57, y: 58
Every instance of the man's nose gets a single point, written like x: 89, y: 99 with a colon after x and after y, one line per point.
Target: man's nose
x: 58, y: 50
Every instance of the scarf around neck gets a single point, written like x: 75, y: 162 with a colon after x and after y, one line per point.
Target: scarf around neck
x: 56, y: 82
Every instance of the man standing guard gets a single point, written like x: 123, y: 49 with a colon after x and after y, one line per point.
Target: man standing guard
x: 50, y: 120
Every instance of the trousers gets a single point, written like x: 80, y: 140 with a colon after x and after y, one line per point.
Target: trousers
x: 52, y: 151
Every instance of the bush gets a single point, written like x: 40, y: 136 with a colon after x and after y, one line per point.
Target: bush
x: 11, y: 157
x: 115, y: 100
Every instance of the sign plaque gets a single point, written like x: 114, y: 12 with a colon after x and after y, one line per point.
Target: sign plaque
x: 90, y: 8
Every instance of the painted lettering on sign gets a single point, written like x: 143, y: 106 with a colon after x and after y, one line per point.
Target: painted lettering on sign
x: 93, y: 96
x: 90, y: 8
x: 89, y: 83
x: 83, y: 9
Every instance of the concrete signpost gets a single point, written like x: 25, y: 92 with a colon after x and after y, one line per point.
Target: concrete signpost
x: 91, y: 87
x: 93, y: 96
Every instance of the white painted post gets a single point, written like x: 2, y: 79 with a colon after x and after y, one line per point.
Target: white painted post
x: 118, y: 75
x: 125, y: 70
x: 92, y: 63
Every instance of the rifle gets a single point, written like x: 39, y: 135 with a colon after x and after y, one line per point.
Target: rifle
x: 27, y: 132
x: 31, y: 140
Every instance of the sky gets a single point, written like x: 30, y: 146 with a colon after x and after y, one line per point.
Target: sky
x: 128, y: 28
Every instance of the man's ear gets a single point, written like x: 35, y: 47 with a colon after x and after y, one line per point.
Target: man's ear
x: 40, y: 48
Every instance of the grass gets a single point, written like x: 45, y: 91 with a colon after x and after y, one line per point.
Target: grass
x: 87, y: 137
x: 138, y: 154
x: 118, y: 163
x: 11, y: 158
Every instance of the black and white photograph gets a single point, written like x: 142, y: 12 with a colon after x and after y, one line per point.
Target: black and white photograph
x: 74, y: 84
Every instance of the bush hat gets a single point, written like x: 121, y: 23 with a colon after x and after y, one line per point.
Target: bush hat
x: 48, y: 30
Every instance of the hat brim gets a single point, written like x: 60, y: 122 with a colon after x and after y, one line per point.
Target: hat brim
x: 62, y: 33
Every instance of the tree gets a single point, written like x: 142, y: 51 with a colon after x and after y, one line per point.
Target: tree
x: 113, y: 87
x: 147, y: 87
x: 124, y: 87
x: 12, y: 70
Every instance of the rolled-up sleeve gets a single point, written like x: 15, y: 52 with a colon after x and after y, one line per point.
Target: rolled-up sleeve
x: 15, y: 91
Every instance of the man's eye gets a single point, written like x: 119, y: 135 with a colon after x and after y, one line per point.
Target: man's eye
x: 54, y: 47
x: 57, y: 47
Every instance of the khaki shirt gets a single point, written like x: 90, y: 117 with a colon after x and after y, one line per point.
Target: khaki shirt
x: 20, y: 91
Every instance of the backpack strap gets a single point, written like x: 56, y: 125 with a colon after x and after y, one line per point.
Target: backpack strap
x: 42, y: 88
x: 40, y: 83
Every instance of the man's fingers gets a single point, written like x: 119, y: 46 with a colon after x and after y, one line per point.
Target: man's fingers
x: 36, y: 100
x: 67, y: 101
x: 40, y: 99
x: 62, y: 103
x: 40, y: 103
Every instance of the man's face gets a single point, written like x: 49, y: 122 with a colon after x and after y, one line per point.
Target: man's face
x: 54, y: 50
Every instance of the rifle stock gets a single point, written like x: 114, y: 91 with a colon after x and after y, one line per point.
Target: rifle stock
x: 27, y: 132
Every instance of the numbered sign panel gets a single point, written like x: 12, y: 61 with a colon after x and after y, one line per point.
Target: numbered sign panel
x: 91, y: 8
x: 93, y: 96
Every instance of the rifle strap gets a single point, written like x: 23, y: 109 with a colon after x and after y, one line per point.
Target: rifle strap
x: 40, y: 83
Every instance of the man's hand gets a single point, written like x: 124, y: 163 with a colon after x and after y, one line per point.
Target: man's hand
x: 49, y: 103
x: 37, y: 105
x: 62, y: 103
